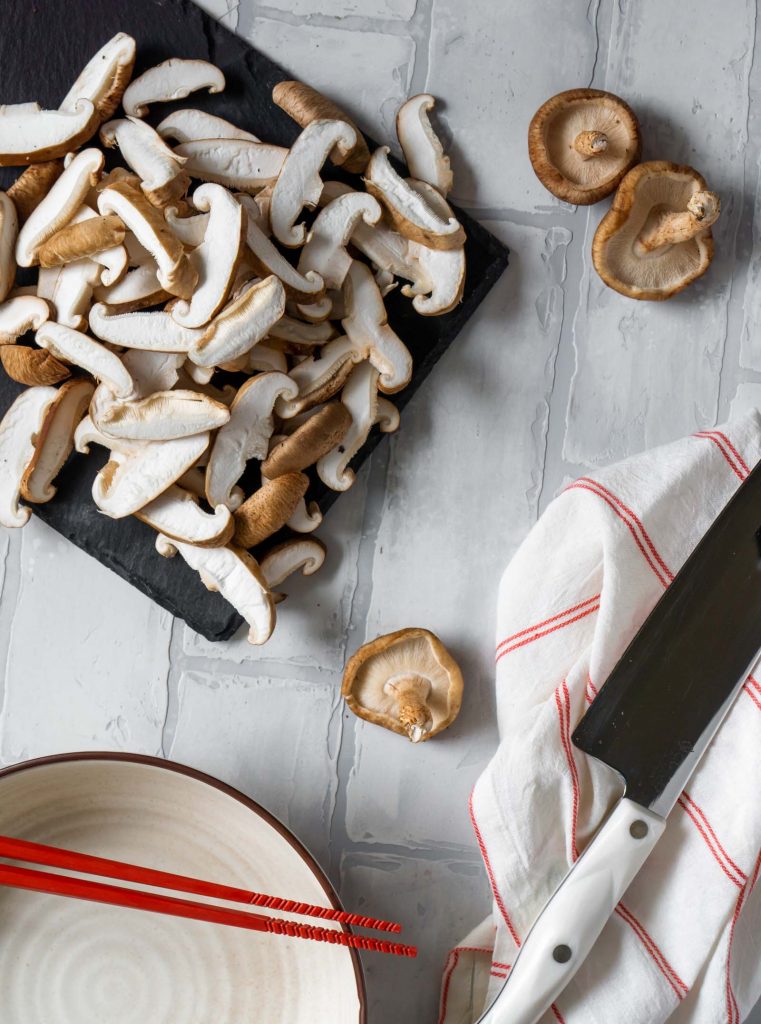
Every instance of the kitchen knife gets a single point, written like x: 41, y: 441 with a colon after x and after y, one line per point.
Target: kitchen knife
x: 651, y: 722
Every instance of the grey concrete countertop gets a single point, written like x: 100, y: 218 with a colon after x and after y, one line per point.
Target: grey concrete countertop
x: 555, y: 375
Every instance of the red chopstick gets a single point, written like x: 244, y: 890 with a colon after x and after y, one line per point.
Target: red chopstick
x: 69, y: 860
x: 115, y: 895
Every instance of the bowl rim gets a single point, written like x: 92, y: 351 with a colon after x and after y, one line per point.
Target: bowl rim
x: 231, y: 791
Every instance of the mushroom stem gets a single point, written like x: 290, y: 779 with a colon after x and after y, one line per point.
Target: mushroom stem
x: 590, y: 143
x: 411, y: 692
x: 669, y: 227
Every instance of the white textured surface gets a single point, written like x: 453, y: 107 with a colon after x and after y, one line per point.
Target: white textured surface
x: 555, y: 374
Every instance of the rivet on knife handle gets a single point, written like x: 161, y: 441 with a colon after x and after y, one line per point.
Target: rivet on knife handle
x: 572, y: 920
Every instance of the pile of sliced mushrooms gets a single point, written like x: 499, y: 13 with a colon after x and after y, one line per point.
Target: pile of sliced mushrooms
x: 147, y: 286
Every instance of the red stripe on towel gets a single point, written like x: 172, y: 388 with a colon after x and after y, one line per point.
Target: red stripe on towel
x: 506, y: 648
x: 701, y: 814
x: 668, y: 972
x: 725, y: 862
x: 633, y: 523
x: 548, y: 622
x: 733, y: 1011
x: 487, y: 864
x: 728, y: 450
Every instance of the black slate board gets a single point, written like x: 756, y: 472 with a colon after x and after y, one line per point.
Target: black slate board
x: 44, y: 46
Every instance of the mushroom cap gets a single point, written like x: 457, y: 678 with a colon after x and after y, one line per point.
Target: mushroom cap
x: 304, y: 104
x: 564, y: 171
x: 309, y: 442
x: 268, y: 510
x: 411, y: 651
x: 32, y: 185
x: 32, y: 366
x: 657, y: 185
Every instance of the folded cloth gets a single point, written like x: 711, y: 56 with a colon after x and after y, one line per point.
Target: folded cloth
x: 684, y: 943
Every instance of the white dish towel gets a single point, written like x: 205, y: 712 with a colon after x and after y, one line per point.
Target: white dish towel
x: 685, y: 943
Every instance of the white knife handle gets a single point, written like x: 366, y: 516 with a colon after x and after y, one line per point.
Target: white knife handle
x: 572, y: 920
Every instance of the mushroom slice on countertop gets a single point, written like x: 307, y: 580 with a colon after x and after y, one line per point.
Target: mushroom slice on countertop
x: 194, y: 125
x: 325, y: 250
x: 238, y: 578
x: 367, y: 327
x: 237, y: 163
x: 161, y: 416
x: 287, y: 558
x: 32, y: 366
x: 84, y: 236
x: 306, y: 105
x: 260, y: 359
x: 8, y: 236
x: 366, y: 408
x: 319, y: 311
x: 136, y: 290
x: 268, y: 510
x: 299, y: 183
x: 241, y: 324
x: 21, y: 314
x: 72, y: 290
x: 172, y: 79
x: 436, y: 276
x: 320, y: 433
x: 132, y: 478
x: 74, y: 347
x: 19, y: 430
x: 422, y: 148
x: 408, y: 211
x: 215, y: 260
x: 59, y: 205
x: 267, y: 259
x: 656, y: 238
x: 32, y: 185
x: 114, y: 260
x: 152, y: 371
x: 320, y: 377
x: 152, y: 330
x: 55, y: 440
x: 199, y: 375
x: 581, y: 143
x: 87, y: 433
x: 177, y: 515
x: 301, y: 334
x: 246, y: 435
x: 30, y: 135
x: 147, y: 224
x: 407, y: 682
x: 305, y: 518
x: 194, y: 480
x: 104, y: 78
x: 161, y: 172
x: 225, y: 395
x: 189, y: 230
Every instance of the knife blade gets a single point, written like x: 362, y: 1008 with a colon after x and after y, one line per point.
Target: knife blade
x: 652, y: 721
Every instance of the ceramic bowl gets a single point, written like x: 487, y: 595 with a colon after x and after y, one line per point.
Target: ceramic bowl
x: 63, y: 961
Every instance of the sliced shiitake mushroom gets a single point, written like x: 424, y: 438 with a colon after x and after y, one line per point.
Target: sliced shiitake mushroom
x: 268, y: 509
